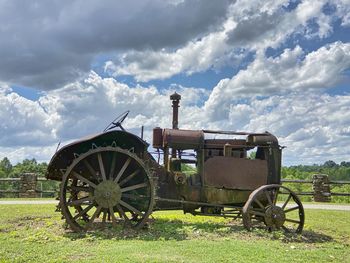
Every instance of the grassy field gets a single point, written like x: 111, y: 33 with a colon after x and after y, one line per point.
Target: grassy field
x: 35, y: 233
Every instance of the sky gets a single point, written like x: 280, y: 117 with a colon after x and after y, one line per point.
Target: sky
x: 68, y: 68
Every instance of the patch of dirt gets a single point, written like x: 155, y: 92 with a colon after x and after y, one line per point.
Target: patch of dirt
x: 28, y: 221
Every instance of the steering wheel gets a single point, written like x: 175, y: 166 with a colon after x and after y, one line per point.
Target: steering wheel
x: 117, y: 122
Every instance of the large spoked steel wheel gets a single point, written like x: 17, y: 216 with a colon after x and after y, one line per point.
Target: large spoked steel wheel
x: 275, y: 206
x: 106, y: 185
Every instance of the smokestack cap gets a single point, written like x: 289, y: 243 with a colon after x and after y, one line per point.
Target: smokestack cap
x: 175, y: 96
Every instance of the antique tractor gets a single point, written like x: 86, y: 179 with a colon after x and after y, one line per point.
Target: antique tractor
x: 111, y: 178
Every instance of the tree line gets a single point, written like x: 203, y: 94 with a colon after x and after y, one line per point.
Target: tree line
x: 8, y: 170
x: 26, y: 166
x: 336, y: 172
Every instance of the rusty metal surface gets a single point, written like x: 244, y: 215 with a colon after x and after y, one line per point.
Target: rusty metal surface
x: 64, y: 156
x: 225, y: 196
x: 220, y: 143
x: 183, y: 139
x: 157, y: 137
x: 265, y: 139
x: 175, y: 104
x: 234, y: 132
x: 235, y: 173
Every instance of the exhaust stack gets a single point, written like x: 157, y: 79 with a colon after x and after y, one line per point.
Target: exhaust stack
x: 176, y: 100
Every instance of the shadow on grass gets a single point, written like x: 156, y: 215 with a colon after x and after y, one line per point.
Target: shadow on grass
x: 165, y: 229
x: 159, y: 229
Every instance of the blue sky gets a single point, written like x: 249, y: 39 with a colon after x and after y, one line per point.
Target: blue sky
x: 68, y: 68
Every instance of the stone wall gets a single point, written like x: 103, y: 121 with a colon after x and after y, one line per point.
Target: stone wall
x: 27, y: 185
x: 321, y: 188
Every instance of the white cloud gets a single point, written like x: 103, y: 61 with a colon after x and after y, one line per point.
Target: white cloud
x: 289, y: 72
x: 47, y: 44
x: 263, y: 24
x: 86, y: 107
x: 250, y: 26
x: 50, y: 44
x: 18, y: 154
x: 23, y: 122
x: 311, y: 125
x: 53, y: 43
x: 194, y: 57
x: 343, y: 11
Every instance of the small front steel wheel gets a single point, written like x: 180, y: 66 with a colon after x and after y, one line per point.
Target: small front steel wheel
x: 276, y: 206
x: 106, y: 185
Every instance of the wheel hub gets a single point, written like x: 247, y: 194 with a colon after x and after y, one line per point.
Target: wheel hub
x: 274, y: 216
x: 107, y: 194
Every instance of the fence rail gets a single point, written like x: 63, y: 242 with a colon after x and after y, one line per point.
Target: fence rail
x: 321, y: 186
x: 28, y: 186
x: 19, y: 179
x: 310, y: 181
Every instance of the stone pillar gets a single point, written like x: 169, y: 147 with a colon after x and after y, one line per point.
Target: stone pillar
x: 27, y: 185
x: 321, y: 188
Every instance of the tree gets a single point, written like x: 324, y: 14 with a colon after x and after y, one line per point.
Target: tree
x: 330, y: 164
x: 26, y: 166
x: 5, y: 166
x: 345, y: 164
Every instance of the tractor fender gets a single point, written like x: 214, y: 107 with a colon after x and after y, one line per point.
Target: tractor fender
x: 65, y: 156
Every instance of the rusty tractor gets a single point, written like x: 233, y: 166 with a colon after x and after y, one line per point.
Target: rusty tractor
x: 112, y: 179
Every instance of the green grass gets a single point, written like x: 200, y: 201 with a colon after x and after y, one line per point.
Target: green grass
x: 27, y: 199
x: 36, y: 234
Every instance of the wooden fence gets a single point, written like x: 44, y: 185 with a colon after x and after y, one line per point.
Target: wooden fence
x: 321, y: 187
x: 31, y: 186
x: 28, y: 185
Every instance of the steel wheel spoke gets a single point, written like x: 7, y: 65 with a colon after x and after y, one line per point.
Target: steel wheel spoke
x: 102, y: 168
x: 131, y: 208
x: 111, y: 172
x: 257, y: 213
x: 286, y: 202
x: 79, y: 188
x: 292, y: 221
x: 291, y: 209
x: 268, y: 197
x: 127, y: 179
x: 80, y: 201
x: 84, y: 211
x: 122, y: 213
x: 114, y: 220
x: 126, y: 164
x: 133, y: 196
x: 275, y: 196
x: 89, y: 224
x: 83, y: 179
x: 89, y: 167
x: 104, y: 217
x: 259, y: 203
x: 134, y: 187
x: 285, y: 229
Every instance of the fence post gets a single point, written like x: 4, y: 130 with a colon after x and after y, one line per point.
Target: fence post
x: 27, y: 185
x: 321, y: 188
